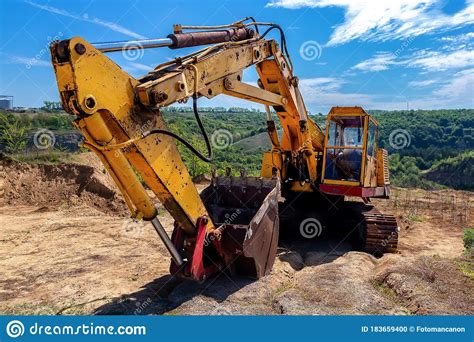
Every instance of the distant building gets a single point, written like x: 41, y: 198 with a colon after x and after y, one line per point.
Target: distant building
x: 6, y: 102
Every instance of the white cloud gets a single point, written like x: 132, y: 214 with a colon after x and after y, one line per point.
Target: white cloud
x: 456, y: 92
x: 326, y: 83
x: 140, y: 67
x: 28, y: 61
x: 438, y: 61
x: 421, y: 84
x: 424, y: 59
x: 137, y: 69
x: 460, y: 38
x: 325, y: 92
x: 381, y: 61
x: 378, y: 20
x: 110, y: 25
x: 459, y: 88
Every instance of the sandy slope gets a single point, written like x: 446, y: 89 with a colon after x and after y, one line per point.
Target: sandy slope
x: 80, y: 254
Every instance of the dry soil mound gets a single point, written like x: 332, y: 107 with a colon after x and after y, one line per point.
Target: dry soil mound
x: 55, y: 185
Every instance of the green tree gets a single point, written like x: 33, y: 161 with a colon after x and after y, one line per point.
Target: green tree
x: 13, y: 133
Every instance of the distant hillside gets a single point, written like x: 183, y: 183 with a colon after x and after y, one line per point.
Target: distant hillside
x: 444, y: 133
x: 431, y: 137
x: 433, y: 143
x: 456, y: 172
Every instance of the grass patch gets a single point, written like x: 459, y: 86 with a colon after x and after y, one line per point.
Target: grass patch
x: 285, y: 286
x: 466, y: 266
x: 468, y: 239
x: 386, y: 291
x: 46, y: 309
x: 415, y: 218
x: 44, y: 157
x: 391, y: 295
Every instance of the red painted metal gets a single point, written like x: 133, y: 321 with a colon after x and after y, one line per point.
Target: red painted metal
x: 197, y: 264
x: 356, y: 191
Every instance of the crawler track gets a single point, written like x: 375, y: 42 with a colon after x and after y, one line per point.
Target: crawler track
x: 380, y: 232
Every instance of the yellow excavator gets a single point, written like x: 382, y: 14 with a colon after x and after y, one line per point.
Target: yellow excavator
x: 233, y: 224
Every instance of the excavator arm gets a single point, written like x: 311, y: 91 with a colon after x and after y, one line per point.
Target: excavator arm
x: 218, y: 70
x: 120, y: 120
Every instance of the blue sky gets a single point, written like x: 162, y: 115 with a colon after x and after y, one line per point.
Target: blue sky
x: 380, y: 54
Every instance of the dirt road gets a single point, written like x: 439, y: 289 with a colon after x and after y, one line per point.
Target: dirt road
x: 79, y: 254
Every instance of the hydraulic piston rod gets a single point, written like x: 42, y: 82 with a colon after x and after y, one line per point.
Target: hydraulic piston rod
x: 180, y: 40
x: 133, y: 44
x: 167, y: 241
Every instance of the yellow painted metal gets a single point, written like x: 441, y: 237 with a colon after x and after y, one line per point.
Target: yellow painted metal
x: 197, y: 74
x: 274, y: 79
x: 323, y: 172
x: 95, y: 129
x: 114, y: 109
x: 271, y: 160
x: 364, y: 151
x: 102, y: 95
x: 351, y: 147
x: 300, y: 134
x: 341, y: 182
x: 383, y: 176
x: 347, y: 111
x: 333, y: 114
x: 251, y: 93
x: 297, y: 186
x: 374, y: 169
x: 218, y: 71
x: 370, y: 179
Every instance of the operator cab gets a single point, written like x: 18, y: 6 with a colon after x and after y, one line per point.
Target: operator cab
x: 344, y: 148
x: 351, y: 165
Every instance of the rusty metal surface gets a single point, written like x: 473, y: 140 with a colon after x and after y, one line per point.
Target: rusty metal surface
x: 381, y: 232
x: 377, y: 232
x: 246, y: 211
x: 189, y: 39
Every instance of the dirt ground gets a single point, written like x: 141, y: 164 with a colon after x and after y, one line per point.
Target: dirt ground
x: 67, y: 247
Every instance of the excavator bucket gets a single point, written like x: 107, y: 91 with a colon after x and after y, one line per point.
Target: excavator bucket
x: 245, y: 210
